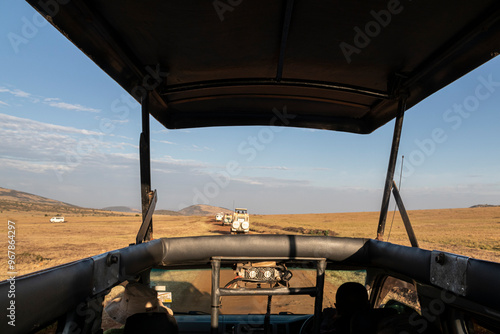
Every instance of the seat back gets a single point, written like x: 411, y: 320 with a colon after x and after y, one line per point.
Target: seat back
x: 151, y: 323
x: 369, y: 321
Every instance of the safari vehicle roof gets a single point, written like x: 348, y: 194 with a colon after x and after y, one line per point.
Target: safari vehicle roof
x: 338, y: 65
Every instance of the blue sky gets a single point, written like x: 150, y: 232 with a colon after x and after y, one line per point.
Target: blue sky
x: 68, y: 132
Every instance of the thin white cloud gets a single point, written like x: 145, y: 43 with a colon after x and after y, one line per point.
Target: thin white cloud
x: 248, y: 181
x: 38, y: 167
x: 272, y: 182
x: 163, y: 141
x: 34, y: 146
x: 127, y: 156
x: 3, y: 103
x: 122, y: 145
x: 267, y: 167
x: 51, y: 101
x: 107, y: 121
x: 179, y: 162
x: 15, y: 92
x: 120, y: 136
x: 163, y: 171
x: 161, y: 131
x: 119, y: 121
x: 165, y: 164
x: 197, y: 148
x: 69, y: 106
x: 27, y: 125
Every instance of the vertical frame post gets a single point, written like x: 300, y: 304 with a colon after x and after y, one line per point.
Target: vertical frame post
x: 318, y: 302
x: 214, y: 319
x: 398, y: 126
x: 145, y: 164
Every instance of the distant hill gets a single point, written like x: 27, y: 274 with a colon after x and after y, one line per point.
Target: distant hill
x: 203, y: 210
x: 120, y: 209
x: 193, y: 210
x: 484, y: 206
x: 21, y: 201
x: 20, y: 196
x: 14, y: 200
x: 168, y: 213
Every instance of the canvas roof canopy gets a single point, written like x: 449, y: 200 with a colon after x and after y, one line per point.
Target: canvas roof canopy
x: 338, y: 65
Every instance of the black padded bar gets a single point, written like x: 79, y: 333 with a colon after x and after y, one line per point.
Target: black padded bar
x: 199, y: 250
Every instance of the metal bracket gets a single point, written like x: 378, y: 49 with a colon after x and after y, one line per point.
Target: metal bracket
x: 315, y: 291
x: 404, y: 215
x: 106, y: 271
x: 147, y: 219
x: 449, y: 271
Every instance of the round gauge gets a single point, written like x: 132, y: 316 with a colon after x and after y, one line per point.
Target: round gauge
x: 252, y: 273
x: 268, y: 273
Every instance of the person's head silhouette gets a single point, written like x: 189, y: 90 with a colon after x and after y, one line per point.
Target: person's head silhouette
x: 351, y: 298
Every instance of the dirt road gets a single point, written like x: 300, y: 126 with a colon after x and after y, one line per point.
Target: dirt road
x: 218, y: 228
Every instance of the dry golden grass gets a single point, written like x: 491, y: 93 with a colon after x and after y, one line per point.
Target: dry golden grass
x: 473, y: 232
x: 41, y: 244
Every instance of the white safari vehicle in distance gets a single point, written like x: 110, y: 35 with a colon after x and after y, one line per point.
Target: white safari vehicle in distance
x: 219, y: 216
x: 57, y: 220
x: 241, y: 223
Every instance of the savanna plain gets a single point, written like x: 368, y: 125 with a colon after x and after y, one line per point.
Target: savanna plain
x: 40, y: 244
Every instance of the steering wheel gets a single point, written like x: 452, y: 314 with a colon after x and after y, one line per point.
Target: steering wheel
x: 307, y: 326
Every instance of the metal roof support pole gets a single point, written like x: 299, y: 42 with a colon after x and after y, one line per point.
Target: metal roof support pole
x: 145, y: 164
x: 318, y: 301
x: 404, y: 215
x: 214, y: 314
x: 398, y: 126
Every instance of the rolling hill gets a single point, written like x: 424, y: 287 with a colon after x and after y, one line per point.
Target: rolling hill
x: 120, y: 209
x: 21, y: 201
x: 14, y: 200
x: 168, y: 213
x: 193, y: 210
x: 203, y: 210
x: 20, y: 196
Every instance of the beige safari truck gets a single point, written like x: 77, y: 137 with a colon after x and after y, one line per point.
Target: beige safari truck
x: 241, y: 221
x: 228, y: 219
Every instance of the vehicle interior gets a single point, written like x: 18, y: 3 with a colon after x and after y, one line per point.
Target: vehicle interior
x: 349, y: 66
